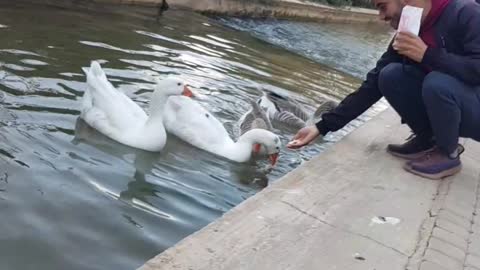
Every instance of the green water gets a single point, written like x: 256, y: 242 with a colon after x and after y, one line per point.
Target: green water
x: 71, y: 198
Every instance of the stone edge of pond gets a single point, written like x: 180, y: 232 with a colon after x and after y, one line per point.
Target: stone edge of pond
x: 280, y: 9
x: 352, y: 207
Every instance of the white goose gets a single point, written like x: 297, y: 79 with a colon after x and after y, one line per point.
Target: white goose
x: 192, y: 123
x: 112, y: 113
x: 286, y: 111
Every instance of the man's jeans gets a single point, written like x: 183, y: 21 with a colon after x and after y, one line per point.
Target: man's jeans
x: 433, y: 104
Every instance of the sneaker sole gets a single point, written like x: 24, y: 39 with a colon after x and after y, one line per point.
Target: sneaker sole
x: 411, y: 156
x: 437, y: 176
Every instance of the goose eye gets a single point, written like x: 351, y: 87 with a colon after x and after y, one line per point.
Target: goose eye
x: 207, y: 115
x: 179, y: 84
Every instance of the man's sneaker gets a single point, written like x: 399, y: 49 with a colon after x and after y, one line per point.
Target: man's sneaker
x: 436, y: 164
x: 414, y: 148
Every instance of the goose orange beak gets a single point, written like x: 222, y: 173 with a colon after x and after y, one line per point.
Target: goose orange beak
x: 256, y: 148
x: 273, y: 159
x: 187, y: 92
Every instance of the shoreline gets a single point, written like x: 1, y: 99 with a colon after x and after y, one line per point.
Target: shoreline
x: 279, y: 9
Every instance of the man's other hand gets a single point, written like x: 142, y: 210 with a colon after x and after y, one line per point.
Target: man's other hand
x: 410, y: 45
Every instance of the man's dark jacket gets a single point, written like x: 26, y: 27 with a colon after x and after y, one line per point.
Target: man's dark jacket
x: 457, y: 33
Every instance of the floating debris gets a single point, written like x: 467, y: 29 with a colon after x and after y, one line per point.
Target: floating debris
x: 385, y: 220
x: 359, y: 257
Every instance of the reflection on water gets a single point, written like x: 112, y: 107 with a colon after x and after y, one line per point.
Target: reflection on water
x: 73, y: 199
x: 351, y: 48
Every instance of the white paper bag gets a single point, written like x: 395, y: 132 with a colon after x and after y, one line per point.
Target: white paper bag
x: 410, y: 20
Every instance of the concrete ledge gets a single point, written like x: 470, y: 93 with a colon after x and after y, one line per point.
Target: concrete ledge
x: 282, y: 9
x: 323, y: 214
x: 286, y: 9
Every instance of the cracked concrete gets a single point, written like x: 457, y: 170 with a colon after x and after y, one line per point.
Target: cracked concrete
x: 322, y: 215
x: 451, y: 243
x: 426, y: 228
x: 343, y: 230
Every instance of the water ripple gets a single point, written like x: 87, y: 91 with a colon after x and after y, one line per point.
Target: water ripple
x: 108, y: 194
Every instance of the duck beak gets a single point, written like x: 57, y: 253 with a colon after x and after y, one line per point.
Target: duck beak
x: 256, y: 148
x: 273, y: 158
x: 187, y: 92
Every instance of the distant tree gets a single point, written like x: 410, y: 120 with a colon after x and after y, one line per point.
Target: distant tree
x: 363, y: 3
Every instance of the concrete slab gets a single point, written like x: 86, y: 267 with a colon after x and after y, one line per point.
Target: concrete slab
x: 333, y: 212
x: 280, y: 9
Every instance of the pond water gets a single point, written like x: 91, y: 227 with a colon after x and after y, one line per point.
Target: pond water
x: 73, y: 199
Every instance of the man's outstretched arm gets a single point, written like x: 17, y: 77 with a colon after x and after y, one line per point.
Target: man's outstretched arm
x: 351, y: 107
